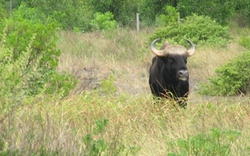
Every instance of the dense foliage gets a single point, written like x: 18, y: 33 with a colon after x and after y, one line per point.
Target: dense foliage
x: 221, y: 11
x: 29, y: 57
x: 77, y: 14
x: 201, y: 30
x: 169, y: 16
x: 103, y: 21
x: 231, y: 78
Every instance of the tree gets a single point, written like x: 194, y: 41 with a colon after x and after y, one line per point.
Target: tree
x: 220, y: 10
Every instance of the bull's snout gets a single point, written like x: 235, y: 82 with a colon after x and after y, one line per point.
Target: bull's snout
x: 183, y: 75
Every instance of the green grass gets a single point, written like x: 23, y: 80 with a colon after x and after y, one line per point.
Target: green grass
x: 125, y: 121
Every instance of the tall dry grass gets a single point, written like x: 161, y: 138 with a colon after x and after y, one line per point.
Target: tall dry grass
x: 51, y: 126
x: 91, y: 57
x: 59, y: 126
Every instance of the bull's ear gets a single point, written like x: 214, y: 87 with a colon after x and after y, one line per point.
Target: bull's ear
x: 191, y: 50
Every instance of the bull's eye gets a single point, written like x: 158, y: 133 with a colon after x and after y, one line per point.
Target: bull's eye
x: 171, y: 60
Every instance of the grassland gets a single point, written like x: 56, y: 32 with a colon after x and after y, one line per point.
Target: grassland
x: 111, y: 111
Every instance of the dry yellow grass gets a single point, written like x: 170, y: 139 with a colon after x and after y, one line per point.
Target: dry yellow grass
x: 133, y: 122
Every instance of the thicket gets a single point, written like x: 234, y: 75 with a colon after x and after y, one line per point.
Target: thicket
x: 231, y: 78
x: 28, y: 59
x: 221, y: 11
x: 103, y: 21
x: 201, y: 30
x: 77, y: 14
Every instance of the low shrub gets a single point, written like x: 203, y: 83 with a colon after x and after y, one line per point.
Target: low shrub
x: 217, y: 142
x: 231, y: 79
x: 201, y: 30
x: 103, y: 21
x: 245, y: 41
x: 28, y: 56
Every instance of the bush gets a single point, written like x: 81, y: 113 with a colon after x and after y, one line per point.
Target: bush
x: 103, y: 21
x: 170, y: 16
x: 231, y: 78
x: 217, y: 142
x: 201, y: 30
x: 29, y: 44
x: 245, y: 41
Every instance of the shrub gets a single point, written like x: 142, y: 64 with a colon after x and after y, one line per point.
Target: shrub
x: 231, y: 78
x: 245, y: 41
x: 170, y: 16
x: 201, y: 30
x: 29, y: 44
x: 103, y: 21
x: 217, y: 142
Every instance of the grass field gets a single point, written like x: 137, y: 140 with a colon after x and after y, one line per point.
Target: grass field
x: 111, y: 111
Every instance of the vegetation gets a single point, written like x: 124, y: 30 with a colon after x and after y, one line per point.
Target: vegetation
x: 31, y: 65
x: 232, y: 78
x: 76, y: 14
x: 76, y: 83
x: 221, y: 11
x: 170, y: 15
x: 201, y: 30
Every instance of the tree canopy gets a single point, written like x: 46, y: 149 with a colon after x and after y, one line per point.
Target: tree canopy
x: 79, y: 14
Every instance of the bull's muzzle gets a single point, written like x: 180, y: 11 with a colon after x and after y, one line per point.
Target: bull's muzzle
x: 183, y: 75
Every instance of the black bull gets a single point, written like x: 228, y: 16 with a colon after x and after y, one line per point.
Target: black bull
x: 169, y: 75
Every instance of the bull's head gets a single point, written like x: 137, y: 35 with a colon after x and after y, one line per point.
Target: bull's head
x: 175, y: 58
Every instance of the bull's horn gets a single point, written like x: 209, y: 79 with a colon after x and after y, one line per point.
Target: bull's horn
x: 159, y: 53
x: 191, y: 50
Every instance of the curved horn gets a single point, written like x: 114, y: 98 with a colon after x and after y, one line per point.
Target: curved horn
x: 159, y: 53
x: 191, y: 50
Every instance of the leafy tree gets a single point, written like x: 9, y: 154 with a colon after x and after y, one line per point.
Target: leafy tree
x: 169, y: 16
x: 70, y: 14
x: 150, y: 9
x: 220, y: 10
x: 3, y: 13
x: 77, y: 14
x: 6, y: 4
x: 243, y: 7
x: 123, y: 11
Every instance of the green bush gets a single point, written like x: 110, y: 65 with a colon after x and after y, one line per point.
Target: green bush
x: 217, y: 142
x: 169, y: 16
x: 201, y: 30
x: 245, y: 41
x: 103, y: 21
x: 29, y: 43
x: 231, y: 78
